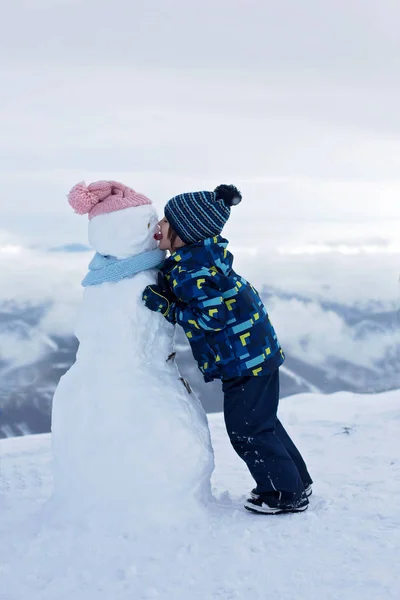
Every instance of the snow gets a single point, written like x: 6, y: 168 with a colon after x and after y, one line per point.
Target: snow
x: 346, y: 546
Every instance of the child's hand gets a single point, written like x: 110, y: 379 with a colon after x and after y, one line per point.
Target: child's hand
x: 159, y: 299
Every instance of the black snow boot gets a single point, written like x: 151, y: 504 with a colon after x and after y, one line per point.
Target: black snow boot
x: 276, y: 503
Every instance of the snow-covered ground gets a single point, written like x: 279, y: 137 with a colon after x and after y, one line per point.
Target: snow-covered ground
x: 346, y: 546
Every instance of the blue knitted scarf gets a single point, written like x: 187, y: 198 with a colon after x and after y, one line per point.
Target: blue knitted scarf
x: 108, y: 268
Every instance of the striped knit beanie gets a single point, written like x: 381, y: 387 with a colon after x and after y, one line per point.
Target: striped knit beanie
x: 196, y: 216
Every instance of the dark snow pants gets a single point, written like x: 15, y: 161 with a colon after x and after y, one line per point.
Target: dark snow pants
x: 259, y: 438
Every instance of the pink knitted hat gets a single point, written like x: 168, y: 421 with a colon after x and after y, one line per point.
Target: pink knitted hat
x: 103, y: 197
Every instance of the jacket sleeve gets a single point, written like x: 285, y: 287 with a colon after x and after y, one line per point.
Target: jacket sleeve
x: 200, y: 304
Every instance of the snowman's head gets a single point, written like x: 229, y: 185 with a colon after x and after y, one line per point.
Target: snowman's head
x: 122, y: 222
x: 124, y: 233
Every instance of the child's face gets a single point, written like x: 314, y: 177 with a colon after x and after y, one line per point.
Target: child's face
x: 163, y: 236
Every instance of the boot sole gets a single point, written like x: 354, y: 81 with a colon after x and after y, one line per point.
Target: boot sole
x: 274, y: 511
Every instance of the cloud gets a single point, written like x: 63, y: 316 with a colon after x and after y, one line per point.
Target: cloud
x: 310, y: 332
x: 361, y: 280
x: 30, y: 277
x: 21, y: 345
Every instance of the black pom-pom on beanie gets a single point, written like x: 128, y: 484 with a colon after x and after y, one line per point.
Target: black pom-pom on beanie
x: 229, y: 194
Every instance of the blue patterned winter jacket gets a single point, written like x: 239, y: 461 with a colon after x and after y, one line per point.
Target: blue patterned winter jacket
x: 222, y: 314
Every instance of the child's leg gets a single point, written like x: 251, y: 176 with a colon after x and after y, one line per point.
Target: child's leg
x: 294, y: 453
x: 250, y: 407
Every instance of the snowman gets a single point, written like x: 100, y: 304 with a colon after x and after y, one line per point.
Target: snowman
x: 128, y: 437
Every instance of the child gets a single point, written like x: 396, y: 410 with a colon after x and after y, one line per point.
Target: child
x: 232, y: 339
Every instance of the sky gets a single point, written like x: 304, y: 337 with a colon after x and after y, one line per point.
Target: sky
x: 296, y: 103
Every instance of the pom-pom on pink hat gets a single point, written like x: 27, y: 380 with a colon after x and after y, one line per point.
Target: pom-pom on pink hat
x: 103, y: 197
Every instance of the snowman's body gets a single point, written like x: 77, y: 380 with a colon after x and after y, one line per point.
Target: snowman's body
x: 127, y: 435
